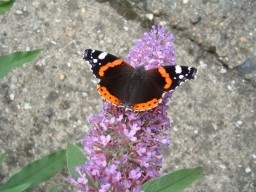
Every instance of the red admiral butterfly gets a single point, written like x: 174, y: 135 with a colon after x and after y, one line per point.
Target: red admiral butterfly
x: 135, y: 88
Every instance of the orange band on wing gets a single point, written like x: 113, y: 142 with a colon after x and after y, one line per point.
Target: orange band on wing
x: 147, y: 105
x: 108, y: 65
x: 166, y: 76
x: 107, y: 95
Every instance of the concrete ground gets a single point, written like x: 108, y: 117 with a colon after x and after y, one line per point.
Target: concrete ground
x: 44, y: 105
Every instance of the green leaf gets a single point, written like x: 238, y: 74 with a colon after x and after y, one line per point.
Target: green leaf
x: 5, y: 5
x: 8, y: 62
x: 75, y: 157
x: 173, y: 182
x: 2, y: 157
x: 38, y: 171
x: 19, y: 188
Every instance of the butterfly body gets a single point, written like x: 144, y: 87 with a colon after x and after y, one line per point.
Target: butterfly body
x: 134, y: 88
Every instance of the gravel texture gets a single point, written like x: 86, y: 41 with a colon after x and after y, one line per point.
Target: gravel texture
x: 44, y: 105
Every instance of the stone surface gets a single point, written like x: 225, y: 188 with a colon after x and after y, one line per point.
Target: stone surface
x: 44, y: 105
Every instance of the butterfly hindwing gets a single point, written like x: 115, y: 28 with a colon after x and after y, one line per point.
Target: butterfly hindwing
x: 116, y: 82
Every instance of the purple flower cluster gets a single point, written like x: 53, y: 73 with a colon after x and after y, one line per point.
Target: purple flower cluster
x: 124, y: 146
x: 154, y: 49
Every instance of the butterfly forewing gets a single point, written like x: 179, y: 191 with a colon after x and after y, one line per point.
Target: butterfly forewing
x: 98, y: 59
x: 179, y: 74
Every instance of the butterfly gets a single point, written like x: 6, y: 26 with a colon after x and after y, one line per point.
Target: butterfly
x: 137, y: 89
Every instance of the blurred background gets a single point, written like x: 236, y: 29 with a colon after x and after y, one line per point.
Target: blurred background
x: 45, y: 104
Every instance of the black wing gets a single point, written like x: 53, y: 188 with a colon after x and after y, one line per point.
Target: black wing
x: 147, y: 93
x: 98, y: 59
x: 114, y: 75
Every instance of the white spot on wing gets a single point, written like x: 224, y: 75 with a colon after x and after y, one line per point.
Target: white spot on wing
x: 102, y: 55
x: 181, y: 76
x: 95, y: 60
x: 178, y: 69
